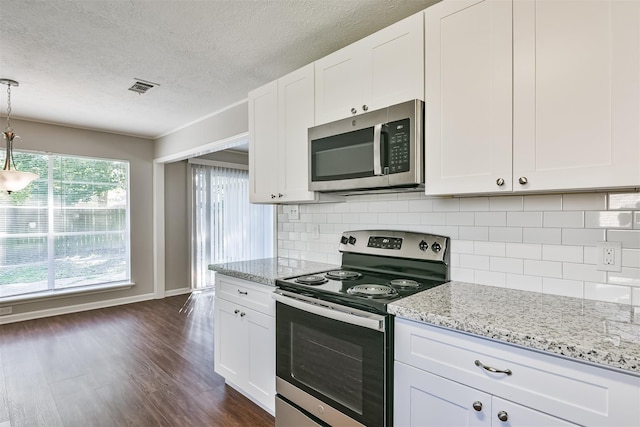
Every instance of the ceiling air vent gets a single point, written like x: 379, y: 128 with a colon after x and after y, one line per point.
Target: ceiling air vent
x: 142, y: 86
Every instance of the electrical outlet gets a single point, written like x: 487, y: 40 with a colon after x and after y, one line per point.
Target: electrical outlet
x: 609, y: 256
x: 5, y: 310
x: 294, y: 211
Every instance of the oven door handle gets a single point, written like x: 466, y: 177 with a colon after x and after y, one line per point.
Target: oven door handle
x: 332, y: 311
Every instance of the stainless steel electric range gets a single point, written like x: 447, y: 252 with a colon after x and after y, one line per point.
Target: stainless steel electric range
x: 334, y: 336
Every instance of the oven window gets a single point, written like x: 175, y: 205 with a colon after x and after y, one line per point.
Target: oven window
x: 313, y: 362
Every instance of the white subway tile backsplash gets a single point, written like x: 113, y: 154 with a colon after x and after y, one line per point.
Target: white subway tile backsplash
x: 474, y: 204
x: 506, y: 203
x: 476, y: 262
x: 460, y: 218
x: 461, y: 274
x: 565, y: 219
x: 489, y: 248
x: 585, y: 272
x: 631, y: 258
x: 543, y: 203
x: 562, y: 253
x: 505, y: 234
x: 491, y: 219
x: 542, y: 268
x: 608, y: 219
x: 506, y: 265
x: 473, y: 233
x: 524, y: 219
x: 524, y: 283
x: 624, y: 201
x: 584, y: 202
x: 490, y: 278
x: 524, y: 250
x: 539, y: 243
x: 609, y: 293
x: 630, y: 239
x: 578, y: 237
x: 567, y: 288
x: 627, y: 277
x: 463, y: 247
x: 542, y: 235
x: 446, y: 205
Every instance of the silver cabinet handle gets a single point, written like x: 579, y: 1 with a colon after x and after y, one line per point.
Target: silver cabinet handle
x: 353, y: 111
x: 280, y: 195
x: 273, y: 196
x: 236, y: 311
x: 243, y: 314
x: 477, y: 405
x: 365, y: 108
x: 500, y: 182
x: 494, y: 370
x: 243, y: 292
x: 523, y: 180
x: 503, y: 416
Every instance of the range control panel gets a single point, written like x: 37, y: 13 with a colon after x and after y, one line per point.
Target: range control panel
x: 401, y: 244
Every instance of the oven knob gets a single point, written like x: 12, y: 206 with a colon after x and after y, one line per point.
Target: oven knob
x: 344, y: 240
x: 352, y: 240
x: 423, y: 245
x: 436, y: 247
x: 320, y: 409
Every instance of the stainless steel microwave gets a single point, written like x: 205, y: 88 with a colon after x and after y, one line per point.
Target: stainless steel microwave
x: 380, y: 149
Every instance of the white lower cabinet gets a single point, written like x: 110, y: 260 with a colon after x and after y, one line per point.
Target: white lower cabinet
x: 437, y: 382
x: 245, y: 338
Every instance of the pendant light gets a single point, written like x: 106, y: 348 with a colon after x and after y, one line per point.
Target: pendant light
x: 12, y: 179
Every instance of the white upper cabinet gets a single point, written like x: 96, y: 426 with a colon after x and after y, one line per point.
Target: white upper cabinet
x: 571, y: 121
x: 383, y: 69
x: 576, y: 94
x: 468, y: 97
x: 279, y: 115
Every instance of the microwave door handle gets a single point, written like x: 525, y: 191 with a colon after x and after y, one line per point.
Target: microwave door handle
x: 377, y: 149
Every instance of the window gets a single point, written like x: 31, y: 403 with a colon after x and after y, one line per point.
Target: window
x: 226, y: 227
x: 68, y: 229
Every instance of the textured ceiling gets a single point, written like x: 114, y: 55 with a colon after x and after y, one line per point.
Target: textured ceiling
x: 75, y: 60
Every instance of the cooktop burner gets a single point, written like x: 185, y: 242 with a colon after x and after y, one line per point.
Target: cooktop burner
x: 343, y: 274
x: 313, y: 279
x: 372, y: 291
x: 404, y: 283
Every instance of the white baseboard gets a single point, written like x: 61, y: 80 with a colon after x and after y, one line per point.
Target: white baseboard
x: 19, y: 317
x: 174, y: 292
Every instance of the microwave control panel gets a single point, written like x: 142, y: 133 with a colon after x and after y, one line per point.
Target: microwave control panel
x: 399, y: 138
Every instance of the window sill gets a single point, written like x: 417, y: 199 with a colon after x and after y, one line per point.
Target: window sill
x: 64, y: 293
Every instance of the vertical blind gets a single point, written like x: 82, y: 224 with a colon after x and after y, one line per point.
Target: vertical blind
x: 226, y: 227
x: 69, y: 228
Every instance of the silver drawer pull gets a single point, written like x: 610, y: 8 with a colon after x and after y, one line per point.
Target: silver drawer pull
x: 494, y: 370
x: 243, y: 292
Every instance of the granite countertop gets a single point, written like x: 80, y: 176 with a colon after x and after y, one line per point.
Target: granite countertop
x: 599, y: 332
x: 267, y: 270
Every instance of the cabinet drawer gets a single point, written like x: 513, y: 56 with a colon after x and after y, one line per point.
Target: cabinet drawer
x: 571, y: 390
x: 246, y: 293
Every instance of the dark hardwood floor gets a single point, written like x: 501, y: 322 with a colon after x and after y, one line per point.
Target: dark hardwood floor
x: 144, y: 364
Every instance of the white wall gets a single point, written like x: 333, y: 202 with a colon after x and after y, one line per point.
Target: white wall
x: 542, y: 243
x: 139, y: 153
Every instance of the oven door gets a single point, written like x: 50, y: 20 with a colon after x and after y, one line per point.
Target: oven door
x: 332, y: 361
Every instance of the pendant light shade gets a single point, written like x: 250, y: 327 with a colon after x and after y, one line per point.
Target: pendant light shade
x: 12, y: 179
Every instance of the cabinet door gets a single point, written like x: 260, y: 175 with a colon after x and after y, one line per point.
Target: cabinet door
x: 576, y: 94
x: 422, y: 399
x: 263, y: 144
x: 296, y: 116
x: 231, y: 343
x: 261, y: 371
x: 508, y: 414
x: 338, y: 84
x: 395, y: 61
x: 468, y: 95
